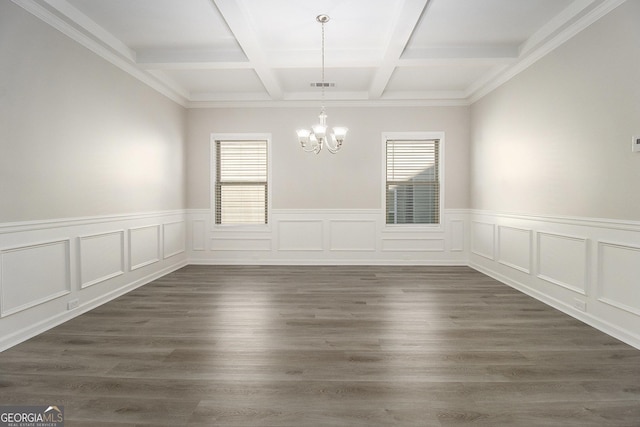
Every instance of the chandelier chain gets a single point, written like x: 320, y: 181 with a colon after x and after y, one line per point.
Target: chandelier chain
x: 322, y: 92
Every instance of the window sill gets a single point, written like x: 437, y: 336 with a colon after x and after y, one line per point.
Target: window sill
x: 413, y: 228
x: 234, y: 228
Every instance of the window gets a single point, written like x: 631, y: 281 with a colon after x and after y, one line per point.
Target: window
x: 241, y: 190
x: 412, y: 181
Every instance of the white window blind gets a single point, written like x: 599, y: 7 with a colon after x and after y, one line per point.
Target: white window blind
x: 412, y: 184
x: 241, y: 182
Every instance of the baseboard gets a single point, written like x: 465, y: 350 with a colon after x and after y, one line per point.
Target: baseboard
x: 325, y: 262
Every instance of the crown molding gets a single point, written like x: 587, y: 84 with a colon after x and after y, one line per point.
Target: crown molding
x: 373, y: 103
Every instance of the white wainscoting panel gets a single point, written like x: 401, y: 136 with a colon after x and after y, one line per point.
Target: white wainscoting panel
x: 562, y: 260
x: 53, y: 270
x: 243, y: 244
x: 457, y: 235
x: 483, y: 239
x: 514, y: 248
x: 33, y: 274
x: 101, y: 257
x: 330, y: 237
x: 300, y: 235
x: 588, y: 268
x: 198, y: 235
x: 619, y: 276
x: 352, y: 235
x: 144, y: 246
x: 174, y: 238
x: 412, y: 244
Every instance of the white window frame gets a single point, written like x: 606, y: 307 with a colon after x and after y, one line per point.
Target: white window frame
x: 426, y: 135
x: 212, y: 180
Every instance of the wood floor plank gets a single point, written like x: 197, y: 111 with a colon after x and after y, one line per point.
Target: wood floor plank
x: 326, y: 346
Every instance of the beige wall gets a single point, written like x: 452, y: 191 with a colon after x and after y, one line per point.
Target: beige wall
x: 351, y: 179
x: 78, y: 136
x: 556, y: 139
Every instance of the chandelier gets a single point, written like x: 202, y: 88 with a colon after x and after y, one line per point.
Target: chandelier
x: 313, y: 140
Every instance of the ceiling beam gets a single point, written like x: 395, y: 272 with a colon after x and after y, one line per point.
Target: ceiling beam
x: 556, y: 24
x: 506, y: 51
x: 405, y: 23
x: 64, y: 8
x: 201, y: 59
x: 239, y: 24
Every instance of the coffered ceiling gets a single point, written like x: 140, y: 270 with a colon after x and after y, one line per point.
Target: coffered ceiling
x: 226, y: 52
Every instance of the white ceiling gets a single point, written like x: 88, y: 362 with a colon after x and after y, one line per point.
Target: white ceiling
x: 225, y: 52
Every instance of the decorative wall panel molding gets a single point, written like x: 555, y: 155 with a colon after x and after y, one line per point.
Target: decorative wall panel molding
x: 562, y: 260
x: 606, y: 253
x: 198, y: 235
x: 352, y: 235
x: 514, y: 248
x: 416, y: 244
x: 33, y: 274
x: 483, y: 239
x: 588, y: 268
x: 174, y: 238
x: 300, y: 235
x: 457, y: 235
x: 53, y: 270
x: 101, y: 257
x: 244, y: 244
x: 144, y: 246
x: 619, y: 276
x: 330, y: 237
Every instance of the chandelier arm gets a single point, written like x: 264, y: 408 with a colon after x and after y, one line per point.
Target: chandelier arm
x: 310, y: 150
x: 333, y: 149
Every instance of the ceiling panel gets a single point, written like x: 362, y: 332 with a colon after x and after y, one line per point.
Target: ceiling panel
x: 217, y: 81
x: 485, y: 22
x: 154, y: 24
x: 291, y: 24
x: 345, y: 79
x: 230, y: 50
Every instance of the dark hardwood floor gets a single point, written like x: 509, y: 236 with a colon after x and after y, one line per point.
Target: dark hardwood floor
x: 326, y: 346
